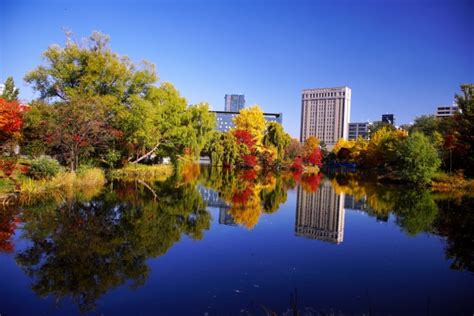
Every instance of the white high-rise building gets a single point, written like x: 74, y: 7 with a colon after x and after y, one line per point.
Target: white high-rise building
x: 325, y: 113
x: 320, y: 215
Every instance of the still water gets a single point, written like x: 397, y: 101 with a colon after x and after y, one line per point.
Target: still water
x: 208, y: 242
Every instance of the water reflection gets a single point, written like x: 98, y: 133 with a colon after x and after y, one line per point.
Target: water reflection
x: 320, y: 214
x: 80, y: 250
x: 81, y: 247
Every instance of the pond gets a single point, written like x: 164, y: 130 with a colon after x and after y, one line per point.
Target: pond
x: 213, y: 242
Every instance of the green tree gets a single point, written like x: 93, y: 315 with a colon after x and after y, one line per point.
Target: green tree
x: 10, y: 92
x: 417, y: 159
x: 275, y: 136
x: 224, y: 150
x: 91, y: 69
x: 465, y: 129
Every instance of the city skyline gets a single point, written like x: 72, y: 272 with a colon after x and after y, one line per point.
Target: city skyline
x: 273, y: 54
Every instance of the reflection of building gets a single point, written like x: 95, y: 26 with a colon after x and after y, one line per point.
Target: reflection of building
x: 351, y: 203
x: 212, y: 199
x: 320, y: 215
x: 234, y: 102
x: 388, y: 119
x: 358, y: 129
x: 225, y: 123
x: 325, y: 113
x: 225, y: 218
x: 445, y: 111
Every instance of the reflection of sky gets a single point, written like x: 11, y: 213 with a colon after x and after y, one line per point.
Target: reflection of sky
x: 377, y: 267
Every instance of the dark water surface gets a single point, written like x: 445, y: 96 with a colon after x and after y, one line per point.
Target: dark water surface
x: 215, y: 243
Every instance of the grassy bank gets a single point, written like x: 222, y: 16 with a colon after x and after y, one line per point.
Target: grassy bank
x: 85, y: 182
x: 443, y: 182
x: 133, y: 172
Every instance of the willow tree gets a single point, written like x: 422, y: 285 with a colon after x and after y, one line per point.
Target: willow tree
x: 276, y: 136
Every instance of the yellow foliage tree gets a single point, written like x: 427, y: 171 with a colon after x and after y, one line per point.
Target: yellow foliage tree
x: 310, y: 144
x: 251, y: 119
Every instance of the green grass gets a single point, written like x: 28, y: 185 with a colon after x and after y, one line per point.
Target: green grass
x: 6, y: 186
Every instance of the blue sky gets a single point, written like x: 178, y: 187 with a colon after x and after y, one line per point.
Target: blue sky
x: 402, y: 57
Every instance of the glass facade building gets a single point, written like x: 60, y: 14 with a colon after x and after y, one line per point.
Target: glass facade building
x: 234, y: 102
x: 225, y: 123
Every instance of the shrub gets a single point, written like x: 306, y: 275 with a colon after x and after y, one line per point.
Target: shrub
x: 44, y: 168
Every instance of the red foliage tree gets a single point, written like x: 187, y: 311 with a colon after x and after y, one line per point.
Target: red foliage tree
x: 249, y: 161
x: 8, y: 225
x: 10, y: 119
x: 249, y: 174
x: 297, y: 164
x: 241, y: 197
x: 310, y: 183
x: 244, y: 137
x: 315, y: 158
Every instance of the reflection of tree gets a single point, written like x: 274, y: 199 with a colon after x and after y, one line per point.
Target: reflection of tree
x: 249, y: 192
x: 417, y: 211
x: 456, y: 223
x: 8, y: 223
x: 80, y: 250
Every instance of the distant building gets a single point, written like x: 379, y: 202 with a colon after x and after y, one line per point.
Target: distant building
x: 225, y: 123
x: 388, y: 119
x: 351, y: 203
x: 325, y: 113
x: 445, y: 110
x: 225, y: 218
x: 212, y: 199
x: 320, y: 215
x: 234, y: 102
x: 359, y: 129
x: 2, y: 87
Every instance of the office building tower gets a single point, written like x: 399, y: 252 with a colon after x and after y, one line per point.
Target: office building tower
x: 320, y: 215
x: 325, y: 113
x: 234, y: 102
x: 388, y: 119
x: 445, y: 111
x: 359, y: 129
x: 225, y: 119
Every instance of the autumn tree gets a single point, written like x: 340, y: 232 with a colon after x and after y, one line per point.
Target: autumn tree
x: 10, y: 92
x: 293, y: 149
x: 79, y: 129
x: 11, y: 120
x: 251, y: 119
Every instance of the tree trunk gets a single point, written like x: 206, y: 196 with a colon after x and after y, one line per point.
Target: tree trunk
x: 147, y: 154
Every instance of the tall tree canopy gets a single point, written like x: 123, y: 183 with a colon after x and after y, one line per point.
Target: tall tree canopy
x: 147, y: 119
x: 10, y: 92
x: 90, y: 68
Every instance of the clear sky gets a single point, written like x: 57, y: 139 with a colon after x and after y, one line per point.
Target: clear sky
x: 402, y: 57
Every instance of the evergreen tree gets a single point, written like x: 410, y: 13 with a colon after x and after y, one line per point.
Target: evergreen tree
x: 10, y: 92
